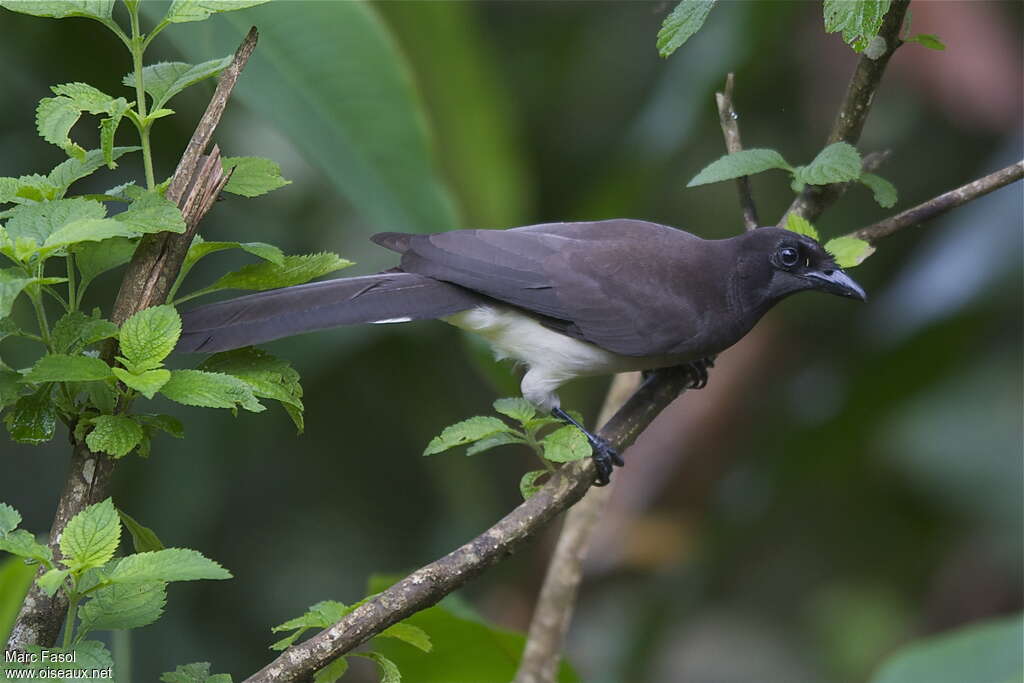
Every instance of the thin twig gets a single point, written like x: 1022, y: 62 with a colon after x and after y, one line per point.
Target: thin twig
x: 430, y: 583
x: 941, y: 204
x: 153, y: 268
x: 853, y: 112
x: 556, y: 603
x: 731, y: 132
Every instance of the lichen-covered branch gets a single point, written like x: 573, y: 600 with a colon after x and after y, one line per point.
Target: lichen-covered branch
x: 941, y: 204
x: 854, y: 110
x: 429, y: 584
x: 731, y: 132
x: 149, y: 275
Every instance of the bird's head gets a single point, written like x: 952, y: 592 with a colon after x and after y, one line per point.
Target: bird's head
x: 783, y: 262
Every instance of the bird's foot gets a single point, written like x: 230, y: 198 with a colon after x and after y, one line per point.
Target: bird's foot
x: 606, y: 457
x: 698, y: 371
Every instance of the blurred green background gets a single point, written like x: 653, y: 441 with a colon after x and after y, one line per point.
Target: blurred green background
x: 850, y: 480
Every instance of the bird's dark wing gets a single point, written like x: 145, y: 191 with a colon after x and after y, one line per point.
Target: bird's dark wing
x: 593, y: 281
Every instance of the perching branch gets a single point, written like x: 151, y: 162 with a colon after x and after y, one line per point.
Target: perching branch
x: 427, y: 585
x: 941, y: 204
x: 556, y: 603
x: 853, y: 112
x: 731, y: 132
x: 146, y: 282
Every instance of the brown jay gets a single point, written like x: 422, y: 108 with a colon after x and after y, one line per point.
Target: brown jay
x: 564, y: 299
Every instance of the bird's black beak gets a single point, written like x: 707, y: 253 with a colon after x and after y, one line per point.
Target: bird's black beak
x: 836, y: 282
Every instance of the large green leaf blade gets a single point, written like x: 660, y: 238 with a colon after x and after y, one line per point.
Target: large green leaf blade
x: 739, y: 164
x: 164, y: 80
x: 61, y: 9
x: 685, y: 20
x: 90, y: 538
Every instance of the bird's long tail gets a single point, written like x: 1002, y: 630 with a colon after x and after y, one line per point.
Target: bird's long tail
x: 385, y: 297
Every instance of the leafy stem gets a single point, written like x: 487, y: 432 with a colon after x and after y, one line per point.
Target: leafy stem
x: 69, y: 622
x: 34, y: 295
x: 72, y: 302
x: 137, y: 46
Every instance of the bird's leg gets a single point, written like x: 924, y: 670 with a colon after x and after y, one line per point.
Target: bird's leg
x: 605, y: 456
x: 697, y: 370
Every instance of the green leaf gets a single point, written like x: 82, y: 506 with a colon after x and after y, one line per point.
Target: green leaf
x: 801, y: 226
x: 198, y: 10
x: 123, y: 606
x: 267, y: 376
x: 28, y: 189
x: 61, y: 9
x: 467, y: 431
x: 884, y: 191
x: 332, y: 672
x: 94, y: 259
x: 62, y: 368
x: 23, y: 544
x: 519, y: 409
x: 170, y: 564
x: 194, y: 673
x: 859, y: 20
x: 930, y: 41
x: 149, y: 336
x: 88, y: 230
x: 988, y: 652
x: 12, y: 282
x: 115, y: 435
x: 146, y: 383
x: 73, y: 169
x: 489, y: 442
x: 152, y: 213
x: 90, y: 538
x: 55, y: 116
x: 33, y: 419
x: 39, y: 221
x: 849, y: 251
x: 566, y: 444
x: 163, y: 423
x: 408, y: 633
x: 201, y: 248
x: 739, y: 164
x: 10, y: 387
x: 295, y: 270
x: 75, y: 330
x: 165, y: 80
x: 52, y: 580
x: 102, y: 397
x: 685, y: 20
x: 838, y: 163
x: 252, y: 176
x: 528, y: 484
x: 144, y: 539
x: 210, y: 390
x: 389, y: 672
x: 9, y: 518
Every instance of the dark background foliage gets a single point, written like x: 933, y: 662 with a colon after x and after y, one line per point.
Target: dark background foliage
x: 850, y: 479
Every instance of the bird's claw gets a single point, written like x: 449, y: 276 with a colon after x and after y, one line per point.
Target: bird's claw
x: 698, y: 371
x: 606, y: 458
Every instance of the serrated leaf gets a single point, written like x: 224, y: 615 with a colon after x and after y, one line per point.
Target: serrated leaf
x: 51, y: 580
x: 23, y: 544
x: 75, y: 330
x: 252, y: 176
x: 838, y: 163
x: 9, y: 518
x: 55, y: 116
x: 198, y: 10
x: 685, y: 20
x: 102, y: 397
x: 267, y: 376
x: 146, y: 383
x: 519, y: 409
x: 149, y: 336
x: 194, y: 673
x: 33, y: 419
x: 801, y: 226
x: 115, y: 435
x: 407, y: 633
x: 165, y: 80
x: 164, y: 423
x: 389, y: 672
x: 739, y: 164
x: 930, y: 41
x: 27, y: 189
x: 170, y: 564
x: 94, y: 259
x: 90, y: 538
x: 295, y: 270
x: 332, y: 672
x: 467, y: 431
x: 849, y: 251
x: 10, y: 386
x: 12, y: 282
x: 151, y: 212
x: 528, y: 484
x: 144, y: 539
x: 318, y: 616
x: 884, y: 191
x: 210, y: 390
x: 64, y: 368
x: 39, y: 221
x: 61, y: 9
x: 859, y: 20
x: 489, y: 442
x: 123, y: 606
x: 566, y: 444
x: 88, y: 230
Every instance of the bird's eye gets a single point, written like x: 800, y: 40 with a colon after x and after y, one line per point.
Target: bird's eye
x: 788, y: 256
